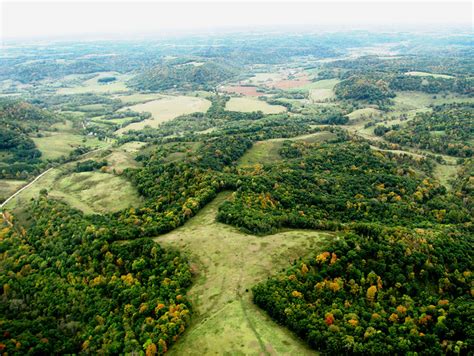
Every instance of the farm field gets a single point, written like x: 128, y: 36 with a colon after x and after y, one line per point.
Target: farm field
x: 226, y: 264
x: 249, y: 105
x: 165, y: 109
x: 242, y: 89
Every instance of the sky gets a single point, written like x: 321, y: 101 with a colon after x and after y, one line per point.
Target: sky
x: 42, y: 19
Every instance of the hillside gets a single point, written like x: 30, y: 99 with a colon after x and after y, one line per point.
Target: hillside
x: 184, y: 76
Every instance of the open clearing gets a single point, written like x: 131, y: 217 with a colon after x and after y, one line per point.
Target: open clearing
x: 96, y: 192
x: 409, y: 100
x: 90, y: 192
x: 137, y: 98
x: 262, y: 152
x: 249, y: 105
x: 265, y: 78
x: 363, y: 113
x: 93, y: 86
x: 10, y: 186
x: 57, y: 144
x: 165, y: 109
x: 426, y: 74
x: 322, y: 84
x: 318, y: 95
x: 266, y: 152
x: 227, y: 263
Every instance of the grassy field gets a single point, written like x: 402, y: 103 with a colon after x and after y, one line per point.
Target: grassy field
x: 250, y: 104
x: 123, y: 157
x: 58, y: 144
x: 90, y: 192
x: 318, y: 95
x: 262, y: 152
x: 227, y: 263
x: 426, y: 74
x: 10, y: 186
x: 409, y: 100
x: 137, y: 98
x: 261, y: 78
x: 165, y: 109
x: 266, y: 152
x: 93, y: 86
x: 322, y: 90
x: 365, y: 112
x: 96, y: 192
x: 322, y: 84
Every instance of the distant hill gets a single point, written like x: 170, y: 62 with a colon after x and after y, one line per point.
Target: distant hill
x: 189, y: 76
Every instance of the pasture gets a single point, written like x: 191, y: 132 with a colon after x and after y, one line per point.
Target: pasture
x: 226, y: 264
x: 250, y: 104
x: 165, y: 109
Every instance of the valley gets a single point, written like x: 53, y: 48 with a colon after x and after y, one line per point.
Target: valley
x: 302, y: 194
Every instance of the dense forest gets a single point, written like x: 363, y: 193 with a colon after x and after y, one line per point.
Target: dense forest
x: 447, y: 129
x: 379, y: 291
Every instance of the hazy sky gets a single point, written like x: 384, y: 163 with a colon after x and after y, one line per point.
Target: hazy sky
x: 71, y: 18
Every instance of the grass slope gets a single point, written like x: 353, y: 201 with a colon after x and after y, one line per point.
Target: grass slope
x: 248, y: 104
x: 55, y: 145
x: 227, y: 264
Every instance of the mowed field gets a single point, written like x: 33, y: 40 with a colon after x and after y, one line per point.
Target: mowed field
x: 57, y: 144
x: 165, y: 109
x: 226, y: 264
x: 93, y: 86
x: 250, y: 104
